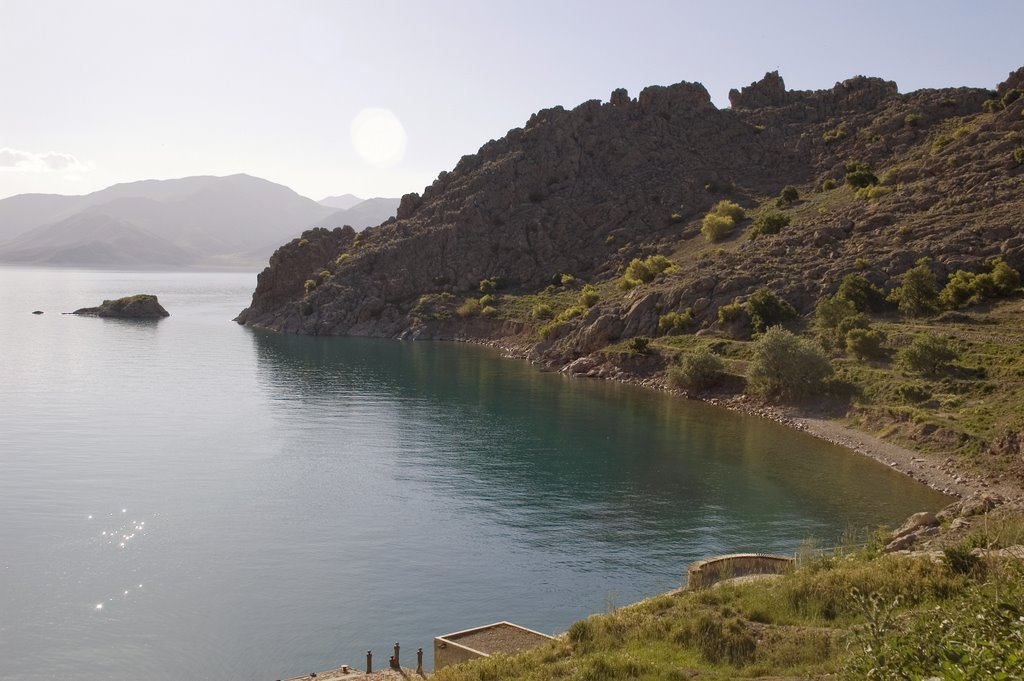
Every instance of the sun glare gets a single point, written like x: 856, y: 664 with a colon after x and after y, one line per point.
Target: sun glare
x: 378, y: 137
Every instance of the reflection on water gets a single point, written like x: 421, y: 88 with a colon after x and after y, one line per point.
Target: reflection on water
x: 286, y: 503
x: 544, y: 453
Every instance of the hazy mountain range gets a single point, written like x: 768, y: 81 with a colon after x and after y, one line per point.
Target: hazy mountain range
x: 194, y: 222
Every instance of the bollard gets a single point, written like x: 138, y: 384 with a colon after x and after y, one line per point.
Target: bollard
x: 369, y: 661
x: 398, y: 665
x: 419, y: 661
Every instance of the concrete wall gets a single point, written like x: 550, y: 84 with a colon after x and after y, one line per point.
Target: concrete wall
x: 449, y: 652
x: 704, y: 573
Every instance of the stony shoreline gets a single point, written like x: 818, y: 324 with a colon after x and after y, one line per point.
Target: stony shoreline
x: 940, y: 474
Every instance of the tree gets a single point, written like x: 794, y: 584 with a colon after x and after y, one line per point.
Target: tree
x: 786, y: 366
x: 864, y: 295
x: 768, y: 309
x: 917, y: 295
x: 864, y: 343
x: 927, y: 354
x: 697, y: 371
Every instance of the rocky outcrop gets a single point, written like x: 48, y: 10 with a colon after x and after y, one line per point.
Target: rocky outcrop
x: 141, y: 306
x: 586, y: 190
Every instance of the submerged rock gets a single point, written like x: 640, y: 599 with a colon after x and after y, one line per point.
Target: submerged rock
x: 142, y: 306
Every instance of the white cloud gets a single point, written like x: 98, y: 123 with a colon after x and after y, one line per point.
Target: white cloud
x: 15, y: 160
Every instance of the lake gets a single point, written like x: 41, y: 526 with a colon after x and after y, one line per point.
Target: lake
x: 190, y: 499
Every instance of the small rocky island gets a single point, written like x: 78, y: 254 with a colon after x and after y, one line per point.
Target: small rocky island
x: 141, y: 306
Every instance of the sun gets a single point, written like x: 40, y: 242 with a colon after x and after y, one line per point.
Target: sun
x: 378, y: 137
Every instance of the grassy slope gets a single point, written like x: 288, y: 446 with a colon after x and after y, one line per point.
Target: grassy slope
x: 842, y: 614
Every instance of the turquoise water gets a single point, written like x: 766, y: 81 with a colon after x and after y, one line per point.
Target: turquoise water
x: 189, y: 499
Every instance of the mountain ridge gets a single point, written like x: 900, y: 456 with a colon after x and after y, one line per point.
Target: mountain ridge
x: 233, y: 221
x: 585, y: 191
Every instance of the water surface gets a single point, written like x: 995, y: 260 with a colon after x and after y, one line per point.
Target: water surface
x: 189, y: 499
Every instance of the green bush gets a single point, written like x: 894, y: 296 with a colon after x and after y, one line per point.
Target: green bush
x: 865, y: 296
x: 639, y: 345
x: 721, y: 220
x: 309, y: 285
x: 487, y: 300
x: 785, y: 366
x: 589, y: 296
x: 911, y: 120
x: 488, y: 311
x: 913, y: 393
x: 873, y: 192
x: 864, y: 343
x: 729, y: 208
x: 469, y: 308
x: 771, y: 222
x: 835, y: 134
x: 643, y: 271
x: 697, y: 371
x: 676, y: 322
x: 542, y: 311
x: 1018, y: 155
x: 768, y: 309
x: 730, y: 312
x: 489, y: 285
x: 788, y: 196
x: 859, y: 175
x: 1005, y: 278
x: 828, y: 185
x: 927, y: 354
x: 716, y: 227
x: 917, y: 295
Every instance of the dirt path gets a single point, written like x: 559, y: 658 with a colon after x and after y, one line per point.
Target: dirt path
x: 938, y: 473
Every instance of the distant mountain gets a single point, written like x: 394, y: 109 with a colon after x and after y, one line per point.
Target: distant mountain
x: 343, y: 202
x: 368, y: 213
x: 205, y: 221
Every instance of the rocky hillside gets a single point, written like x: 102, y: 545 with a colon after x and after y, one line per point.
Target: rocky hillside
x: 584, y: 192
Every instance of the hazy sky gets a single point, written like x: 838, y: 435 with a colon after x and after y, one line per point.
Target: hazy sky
x: 375, y: 97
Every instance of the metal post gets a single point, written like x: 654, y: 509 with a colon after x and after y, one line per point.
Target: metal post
x: 419, y: 661
x: 398, y: 665
x: 369, y: 661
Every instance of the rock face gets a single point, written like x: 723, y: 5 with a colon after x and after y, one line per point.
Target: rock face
x: 584, y: 191
x: 141, y: 306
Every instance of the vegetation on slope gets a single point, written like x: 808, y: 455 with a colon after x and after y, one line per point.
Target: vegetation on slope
x: 851, y: 614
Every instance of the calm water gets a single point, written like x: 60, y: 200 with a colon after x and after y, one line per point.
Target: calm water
x: 188, y: 499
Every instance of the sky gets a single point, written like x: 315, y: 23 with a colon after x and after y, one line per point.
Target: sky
x: 377, y: 97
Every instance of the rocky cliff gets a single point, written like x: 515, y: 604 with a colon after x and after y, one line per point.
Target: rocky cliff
x: 583, y: 192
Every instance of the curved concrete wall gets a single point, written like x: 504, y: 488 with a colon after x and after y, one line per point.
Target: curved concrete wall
x: 704, y: 573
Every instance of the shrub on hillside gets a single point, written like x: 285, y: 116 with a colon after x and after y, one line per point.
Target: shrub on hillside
x: 643, y: 271
x: 927, y: 354
x: 639, y: 345
x: 788, y: 196
x: 542, y: 311
x: 768, y: 309
x: 676, y: 322
x: 730, y: 312
x: 721, y: 220
x: 589, y: 296
x: 864, y: 343
x: 469, y: 308
x: 771, y: 222
x: 864, y: 295
x: 697, y: 371
x: 917, y: 295
x: 786, y: 367
x: 859, y: 175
